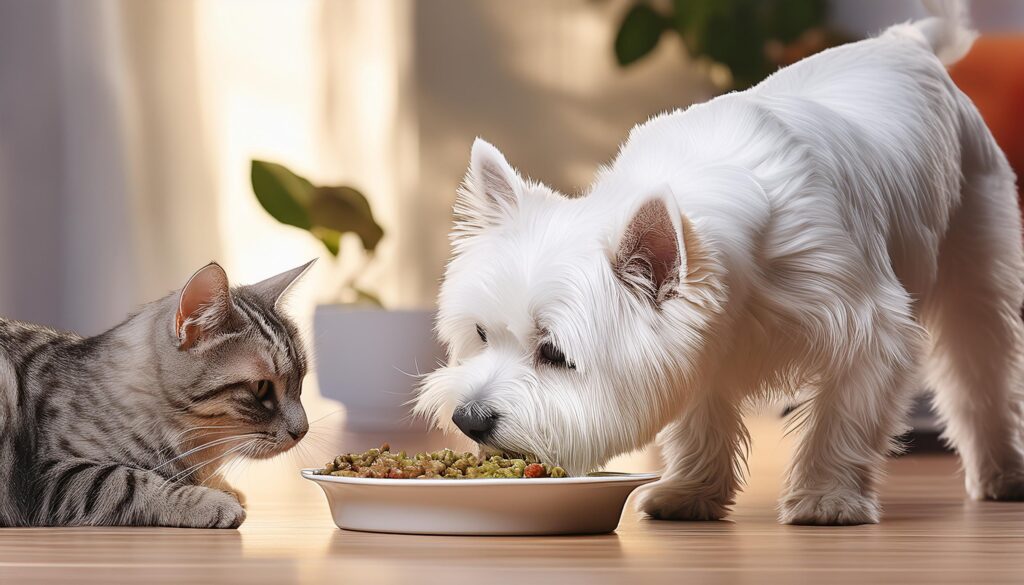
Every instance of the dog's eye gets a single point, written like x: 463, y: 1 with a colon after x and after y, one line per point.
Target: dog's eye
x: 264, y: 391
x: 554, y: 356
x: 483, y: 334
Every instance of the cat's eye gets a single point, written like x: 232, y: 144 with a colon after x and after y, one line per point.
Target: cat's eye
x: 553, y: 356
x: 265, y: 393
x: 483, y: 334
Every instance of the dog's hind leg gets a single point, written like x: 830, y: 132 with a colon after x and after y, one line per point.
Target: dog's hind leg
x: 847, y: 427
x: 704, y: 452
x: 973, y: 316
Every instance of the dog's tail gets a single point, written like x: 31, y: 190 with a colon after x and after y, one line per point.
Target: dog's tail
x: 947, y: 31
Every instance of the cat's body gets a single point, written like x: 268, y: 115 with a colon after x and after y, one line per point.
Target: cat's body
x: 129, y: 427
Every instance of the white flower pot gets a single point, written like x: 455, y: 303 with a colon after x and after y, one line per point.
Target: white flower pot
x: 369, y: 359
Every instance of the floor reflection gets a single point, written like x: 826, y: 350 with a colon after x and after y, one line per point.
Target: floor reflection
x: 511, y: 550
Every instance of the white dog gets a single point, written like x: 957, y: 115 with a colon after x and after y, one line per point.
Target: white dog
x: 838, y: 230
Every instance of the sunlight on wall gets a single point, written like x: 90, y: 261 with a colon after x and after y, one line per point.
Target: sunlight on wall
x: 565, y: 54
x: 388, y: 96
x: 259, y: 94
x: 368, y: 135
x: 314, y: 85
x: 260, y: 88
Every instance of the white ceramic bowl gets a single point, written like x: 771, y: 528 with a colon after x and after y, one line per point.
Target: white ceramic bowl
x: 570, y: 505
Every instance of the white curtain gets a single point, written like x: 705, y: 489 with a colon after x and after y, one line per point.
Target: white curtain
x: 106, y: 198
x: 126, y: 131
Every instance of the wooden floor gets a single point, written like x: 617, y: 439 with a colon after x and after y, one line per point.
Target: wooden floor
x: 930, y: 534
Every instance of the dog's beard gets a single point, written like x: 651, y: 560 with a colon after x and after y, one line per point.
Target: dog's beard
x: 486, y: 451
x: 439, y: 396
x: 550, y: 426
x: 514, y: 441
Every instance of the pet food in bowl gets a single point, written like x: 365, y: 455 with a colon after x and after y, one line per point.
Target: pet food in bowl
x: 382, y: 463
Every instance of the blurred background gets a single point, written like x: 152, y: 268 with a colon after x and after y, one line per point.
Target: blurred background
x: 128, y: 131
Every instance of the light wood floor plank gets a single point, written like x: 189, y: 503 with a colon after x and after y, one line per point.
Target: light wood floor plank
x: 930, y: 534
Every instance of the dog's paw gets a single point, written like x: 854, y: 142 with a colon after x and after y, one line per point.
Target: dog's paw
x: 1004, y: 487
x: 679, y: 502
x: 832, y: 508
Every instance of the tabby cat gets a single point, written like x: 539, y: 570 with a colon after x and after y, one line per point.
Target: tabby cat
x: 129, y: 427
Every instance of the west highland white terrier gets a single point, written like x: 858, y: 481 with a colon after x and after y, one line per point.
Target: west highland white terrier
x: 841, y: 230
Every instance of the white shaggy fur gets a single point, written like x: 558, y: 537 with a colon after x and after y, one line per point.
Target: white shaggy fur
x: 839, y: 230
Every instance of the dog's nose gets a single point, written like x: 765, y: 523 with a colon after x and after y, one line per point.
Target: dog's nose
x: 476, y: 422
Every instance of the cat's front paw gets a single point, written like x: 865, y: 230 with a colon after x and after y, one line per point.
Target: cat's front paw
x: 208, y: 508
x: 666, y: 501
x: 218, y: 482
x: 829, y: 508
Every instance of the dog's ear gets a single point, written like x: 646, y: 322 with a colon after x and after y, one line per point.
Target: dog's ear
x: 651, y: 255
x: 491, y: 190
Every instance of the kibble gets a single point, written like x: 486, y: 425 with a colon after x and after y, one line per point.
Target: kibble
x: 444, y: 464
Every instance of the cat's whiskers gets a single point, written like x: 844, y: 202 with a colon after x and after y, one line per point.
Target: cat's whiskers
x: 317, y: 446
x: 195, y: 468
x: 180, y: 435
x: 207, y: 445
x: 300, y: 451
x: 242, y: 458
x: 326, y: 438
x: 332, y: 413
x: 252, y: 451
x: 226, y: 467
x: 216, y: 441
x: 200, y: 438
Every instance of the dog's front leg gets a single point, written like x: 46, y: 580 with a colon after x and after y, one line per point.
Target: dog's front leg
x: 704, y: 451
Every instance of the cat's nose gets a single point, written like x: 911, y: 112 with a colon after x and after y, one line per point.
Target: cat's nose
x: 299, y: 431
x: 295, y: 421
x: 475, y: 421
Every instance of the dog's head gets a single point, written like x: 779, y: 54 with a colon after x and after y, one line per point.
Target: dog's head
x: 571, y: 324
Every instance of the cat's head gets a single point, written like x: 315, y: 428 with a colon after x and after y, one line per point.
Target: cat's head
x: 236, y: 361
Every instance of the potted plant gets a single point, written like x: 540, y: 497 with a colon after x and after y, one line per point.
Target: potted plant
x: 365, y: 355
x: 738, y: 42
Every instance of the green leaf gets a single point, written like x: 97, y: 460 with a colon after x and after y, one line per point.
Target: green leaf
x: 690, y: 19
x: 343, y: 209
x: 282, y: 193
x: 682, y: 17
x: 366, y: 297
x: 330, y: 238
x: 734, y: 33
x: 327, y: 212
x: 639, y: 33
x: 735, y: 40
x: 787, y: 20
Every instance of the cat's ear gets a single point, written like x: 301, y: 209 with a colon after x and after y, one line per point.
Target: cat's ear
x: 204, y: 305
x: 273, y: 289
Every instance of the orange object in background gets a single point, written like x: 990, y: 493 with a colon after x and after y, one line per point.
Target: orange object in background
x: 992, y: 74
